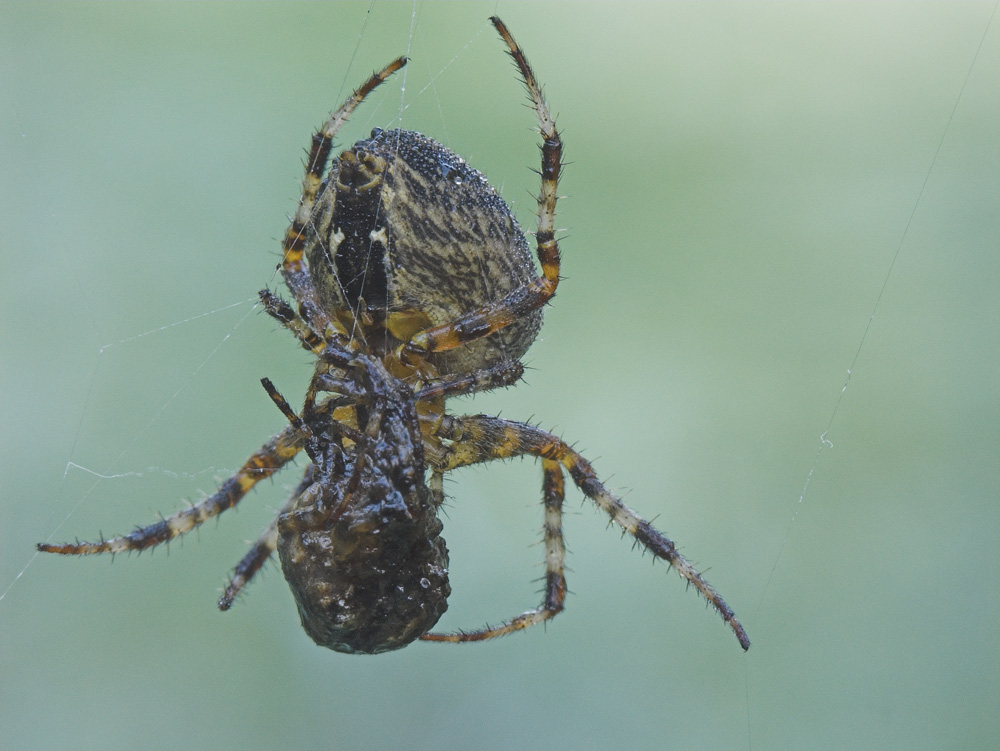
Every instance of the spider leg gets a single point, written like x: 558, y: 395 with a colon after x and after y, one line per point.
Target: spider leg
x: 481, y: 438
x: 251, y: 563
x: 263, y: 463
x: 436, y: 486
x: 310, y: 332
x: 293, y: 269
x: 496, y: 315
x: 553, y: 491
x: 262, y: 550
x: 503, y: 373
x: 319, y: 155
x: 312, y: 341
x: 430, y: 409
x: 283, y: 313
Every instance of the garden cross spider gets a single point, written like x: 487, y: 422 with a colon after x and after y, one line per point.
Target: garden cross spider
x: 413, y: 284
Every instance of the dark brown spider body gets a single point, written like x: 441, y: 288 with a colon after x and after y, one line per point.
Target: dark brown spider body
x: 360, y: 547
x: 413, y: 283
x: 410, y: 235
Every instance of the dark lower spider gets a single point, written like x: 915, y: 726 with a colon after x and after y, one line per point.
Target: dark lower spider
x: 413, y: 284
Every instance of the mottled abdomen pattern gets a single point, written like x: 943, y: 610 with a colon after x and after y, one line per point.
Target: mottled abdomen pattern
x: 373, y: 580
x: 406, y: 227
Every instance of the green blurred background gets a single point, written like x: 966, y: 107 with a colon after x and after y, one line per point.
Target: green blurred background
x: 740, y: 178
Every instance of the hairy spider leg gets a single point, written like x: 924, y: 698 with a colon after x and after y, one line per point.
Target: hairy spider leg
x: 436, y: 484
x: 311, y: 332
x: 263, y: 463
x: 481, y: 438
x: 293, y: 269
x: 313, y: 342
x: 498, y: 375
x: 282, y: 312
x: 267, y: 543
x: 553, y: 492
x: 262, y: 550
x: 254, y: 560
x: 496, y: 315
x: 319, y: 154
x: 430, y: 408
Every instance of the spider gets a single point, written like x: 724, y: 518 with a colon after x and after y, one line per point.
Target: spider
x: 412, y: 283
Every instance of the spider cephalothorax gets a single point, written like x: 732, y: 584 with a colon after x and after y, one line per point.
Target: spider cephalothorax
x: 413, y: 283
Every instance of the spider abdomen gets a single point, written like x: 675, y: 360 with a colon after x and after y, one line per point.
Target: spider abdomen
x: 372, y: 579
x: 408, y: 233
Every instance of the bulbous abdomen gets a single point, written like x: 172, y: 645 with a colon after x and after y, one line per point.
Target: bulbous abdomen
x: 409, y: 228
x: 373, y: 580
